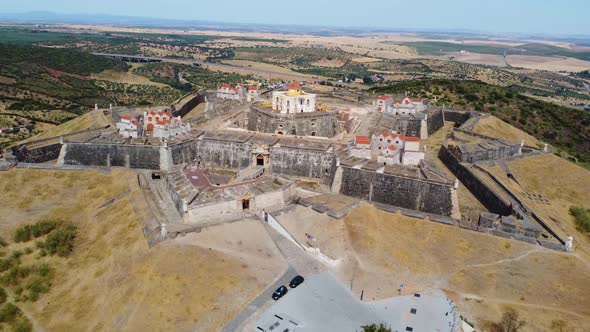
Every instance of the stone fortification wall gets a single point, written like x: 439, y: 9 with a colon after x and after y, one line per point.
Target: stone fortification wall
x: 184, y: 152
x: 194, y: 102
x: 107, y: 155
x: 458, y: 117
x: 291, y: 161
x: 435, y: 121
x: 491, y: 200
x: 406, y: 192
x: 36, y: 155
x: 323, y: 124
x: 225, y: 154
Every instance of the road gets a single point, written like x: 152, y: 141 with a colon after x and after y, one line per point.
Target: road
x: 299, y: 263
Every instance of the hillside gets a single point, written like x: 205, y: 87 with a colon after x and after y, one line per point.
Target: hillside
x: 112, y: 280
x: 565, y: 128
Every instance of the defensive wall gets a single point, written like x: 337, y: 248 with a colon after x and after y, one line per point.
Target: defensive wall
x: 263, y: 119
x: 394, y: 185
x: 487, y: 196
x: 109, y: 155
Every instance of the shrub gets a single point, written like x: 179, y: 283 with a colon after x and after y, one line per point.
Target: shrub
x: 27, y: 232
x: 2, y: 242
x: 22, y: 325
x: 582, y: 217
x: 9, y: 313
x: 61, y: 240
x: 3, y: 295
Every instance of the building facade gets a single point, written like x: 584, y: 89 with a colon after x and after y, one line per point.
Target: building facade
x: 406, y: 106
x: 294, y: 100
x: 225, y: 91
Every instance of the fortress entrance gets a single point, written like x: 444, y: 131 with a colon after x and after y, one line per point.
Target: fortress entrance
x: 245, y: 204
x: 259, y: 160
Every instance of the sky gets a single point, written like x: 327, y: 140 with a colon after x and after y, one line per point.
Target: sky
x: 523, y: 16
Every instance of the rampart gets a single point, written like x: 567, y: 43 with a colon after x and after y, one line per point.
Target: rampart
x: 323, y: 124
x: 490, y: 199
x: 435, y: 121
x: 108, y: 155
x: 302, y: 162
x: 399, y: 190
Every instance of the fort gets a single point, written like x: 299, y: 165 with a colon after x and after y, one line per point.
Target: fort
x: 216, y: 174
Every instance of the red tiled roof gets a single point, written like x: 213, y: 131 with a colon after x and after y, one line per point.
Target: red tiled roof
x: 416, y: 100
x: 126, y: 117
x: 252, y: 88
x: 294, y: 86
x: 163, y: 122
x: 135, y: 123
x: 391, y: 147
x: 225, y: 86
x: 362, y: 140
x: 412, y: 139
x: 384, y: 97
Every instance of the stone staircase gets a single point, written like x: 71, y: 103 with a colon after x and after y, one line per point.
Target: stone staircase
x: 337, y: 181
x: 249, y: 173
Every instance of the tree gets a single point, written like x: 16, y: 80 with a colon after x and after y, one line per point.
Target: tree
x: 509, y: 323
x: 376, y: 328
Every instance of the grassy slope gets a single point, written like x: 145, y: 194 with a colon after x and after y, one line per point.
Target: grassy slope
x: 113, y: 281
x: 495, y: 127
x: 542, y: 285
x: 90, y: 120
x: 566, y: 128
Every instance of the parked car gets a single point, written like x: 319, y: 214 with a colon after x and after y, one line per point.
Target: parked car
x: 280, y: 292
x: 298, y: 280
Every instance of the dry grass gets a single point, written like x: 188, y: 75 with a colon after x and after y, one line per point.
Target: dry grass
x: 261, y: 66
x: 92, y: 119
x: 492, y: 126
x: 544, y: 284
x: 127, y: 77
x: 113, y: 281
x: 559, y: 181
x: 200, y: 109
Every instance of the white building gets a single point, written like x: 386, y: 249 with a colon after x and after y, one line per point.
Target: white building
x: 406, y: 106
x: 294, y: 100
x: 227, y: 92
x: 163, y: 124
x: 253, y: 95
x: 388, y: 148
x: 128, y: 127
x: 361, y: 147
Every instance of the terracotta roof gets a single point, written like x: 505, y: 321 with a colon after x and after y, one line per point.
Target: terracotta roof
x: 225, y: 86
x: 386, y: 134
x: 163, y: 122
x: 362, y: 140
x: 135, y: 123
x: 391, y: 147
x: 126, y: 117
x: 294, y: 86
x: 413, y: 139
x: 252, y: 88
x: 384, y: 97
x: 416, y: 100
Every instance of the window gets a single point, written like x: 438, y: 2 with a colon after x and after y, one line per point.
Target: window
x: 388, y: 141
x: 308, y: 102
x: 280, y: 126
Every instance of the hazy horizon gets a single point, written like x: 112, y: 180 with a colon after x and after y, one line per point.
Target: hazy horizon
x: 502, y: 16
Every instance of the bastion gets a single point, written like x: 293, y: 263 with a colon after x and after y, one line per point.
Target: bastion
x: 317, y: 123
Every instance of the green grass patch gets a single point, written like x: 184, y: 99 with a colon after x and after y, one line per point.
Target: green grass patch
x: 582, y: 217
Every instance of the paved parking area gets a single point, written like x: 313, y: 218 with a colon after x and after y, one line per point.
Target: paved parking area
x: 322, y: 303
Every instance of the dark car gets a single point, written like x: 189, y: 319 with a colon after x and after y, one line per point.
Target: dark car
x: 280, y: 292
x: 298, y: 280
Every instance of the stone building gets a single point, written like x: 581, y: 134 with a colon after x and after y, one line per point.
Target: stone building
x: 406, y: 106
x: 164, y: 125
x: 128, y: 126
x: 294, y: 100
x: 392, y: 148
x: 253, y: 94
x: 225, y: 91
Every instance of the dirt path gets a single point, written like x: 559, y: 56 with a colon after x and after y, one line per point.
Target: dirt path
x: 507, y: 260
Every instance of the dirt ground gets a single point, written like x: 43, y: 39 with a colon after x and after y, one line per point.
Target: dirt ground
x: 113, y: 280
x: 483, y: 273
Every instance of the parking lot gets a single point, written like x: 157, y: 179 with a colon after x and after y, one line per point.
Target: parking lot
x: 322, y: 303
